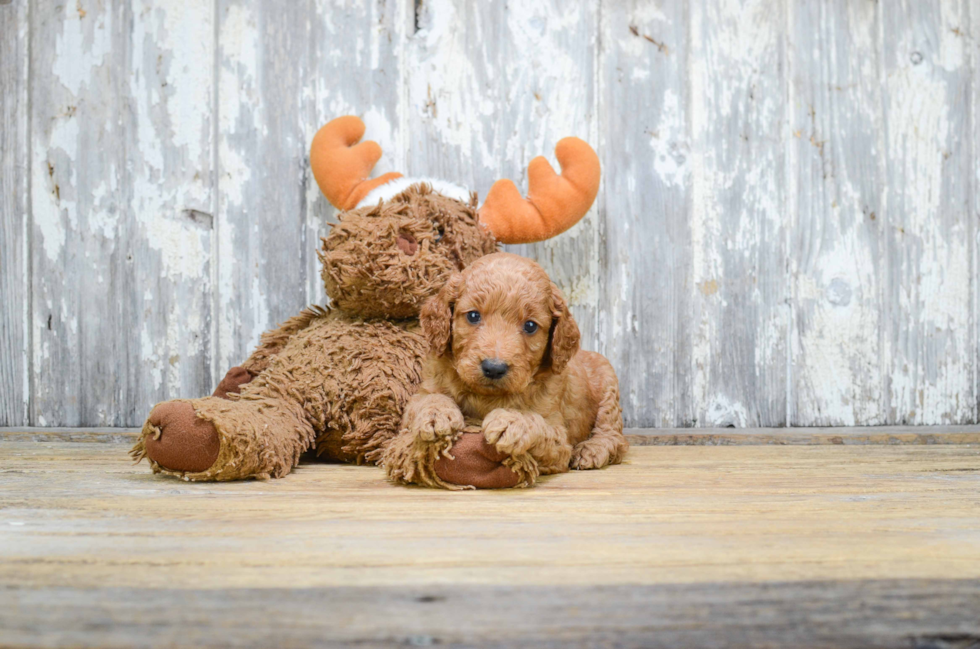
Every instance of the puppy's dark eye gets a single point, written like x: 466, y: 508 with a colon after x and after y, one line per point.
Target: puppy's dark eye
x: 440, y: 233
x: 473, y: 317
x: 530, y: 327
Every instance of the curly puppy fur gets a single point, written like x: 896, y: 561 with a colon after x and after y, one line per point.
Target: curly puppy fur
x: 555, y: 407
x: 335, y: 379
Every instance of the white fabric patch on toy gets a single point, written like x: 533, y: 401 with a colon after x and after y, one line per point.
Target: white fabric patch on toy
x: 391, y: 189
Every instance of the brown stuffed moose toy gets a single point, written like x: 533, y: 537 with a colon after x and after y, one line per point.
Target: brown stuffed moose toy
x: 336, y: 380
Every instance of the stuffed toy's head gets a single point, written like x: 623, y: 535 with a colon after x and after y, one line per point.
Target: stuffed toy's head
x: 399, y: 240
x: 387, y: 258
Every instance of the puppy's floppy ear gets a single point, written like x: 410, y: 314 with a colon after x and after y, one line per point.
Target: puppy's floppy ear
x: 436, y: 317
x: 563, y: 339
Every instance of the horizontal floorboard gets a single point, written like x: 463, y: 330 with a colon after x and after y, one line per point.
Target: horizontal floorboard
x: 911, y: 614
x: 637, y: 436
x: 824, y: 545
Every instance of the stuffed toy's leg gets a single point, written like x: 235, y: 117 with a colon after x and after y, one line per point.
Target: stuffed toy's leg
x: 224, y: 438
x: 472, y: 462
x: 436, y: 447
x: 462, y: 461
x: 220, y: 439
x: 191, y: 444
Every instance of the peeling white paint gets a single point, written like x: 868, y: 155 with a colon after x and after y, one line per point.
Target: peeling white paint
x: 83, y: 45
x: 55, y: 212
x: 861, y: 309
x: 445, y: 83
x: 670, y: 143
x: 931, y: 346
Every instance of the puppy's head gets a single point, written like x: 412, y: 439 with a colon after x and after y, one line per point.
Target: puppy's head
x: 503, y: 323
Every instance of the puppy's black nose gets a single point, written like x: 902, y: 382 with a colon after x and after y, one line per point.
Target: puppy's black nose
x: 494, y: 368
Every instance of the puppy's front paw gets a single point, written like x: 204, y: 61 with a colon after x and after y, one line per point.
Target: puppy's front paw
x: 438, y: 422
x: 589, y: 456
x: 508, y: 431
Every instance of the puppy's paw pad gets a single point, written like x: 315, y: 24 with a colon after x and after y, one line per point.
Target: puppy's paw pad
x: 585, y: 458
x: 494, y: 426
x: 438, y: 423
x: 507, y: 432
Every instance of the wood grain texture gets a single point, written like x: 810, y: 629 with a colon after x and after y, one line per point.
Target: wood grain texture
x: 14, y: 221
x: 973, y: 51
x: 821, y: 513
x: 811, y: 436
x: 263, y: 115
x: 646, y: 278
x: 837, y: 153
x: 929, y: 233
x: 764, y: 542
x: 904, y: 614
x: 786, y: 232
x: 120, y: 177
x: 739, y: 323
x: 494, y: 85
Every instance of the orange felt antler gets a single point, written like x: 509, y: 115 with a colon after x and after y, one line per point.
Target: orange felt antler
x: 341, y: 169
x: 554, y: 203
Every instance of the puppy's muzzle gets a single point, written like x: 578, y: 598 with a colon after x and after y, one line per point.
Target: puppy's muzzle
x: 494, y: 368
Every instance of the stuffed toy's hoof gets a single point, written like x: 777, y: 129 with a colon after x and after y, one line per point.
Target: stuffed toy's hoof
x: 477, y: 464
x: 233, y: 382
x: 183, y: 442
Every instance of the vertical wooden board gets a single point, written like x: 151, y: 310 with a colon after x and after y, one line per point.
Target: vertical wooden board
x: 76, y: 139
x: 837, y: 157
x: 14, y: 271
x: 264, y: 89
x: 645, y: 279
x: 171, y: 86
x: 973, y: 48
x: 356, y: 70
x: 929, y: 343
x: 739, y: 319
x: 492, y: 85
x: 119, y: 192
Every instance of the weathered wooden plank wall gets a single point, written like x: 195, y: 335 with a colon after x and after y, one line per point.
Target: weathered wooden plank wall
x: 120, y: 203
x: 786, y: 231
x: 835, y: 180
x: 14, y: 237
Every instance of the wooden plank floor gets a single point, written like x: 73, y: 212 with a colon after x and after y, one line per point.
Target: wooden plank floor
x: 706, y: 545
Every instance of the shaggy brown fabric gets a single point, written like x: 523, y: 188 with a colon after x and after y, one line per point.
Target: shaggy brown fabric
x: 338, y: 379
x: 233, y: 382
x: 366, y: 271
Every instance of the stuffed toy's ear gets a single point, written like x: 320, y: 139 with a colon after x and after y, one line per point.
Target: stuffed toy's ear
x: 554, y: 203
x: 341, y: 166
x: 436, y: 317
x: 563, y: 339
